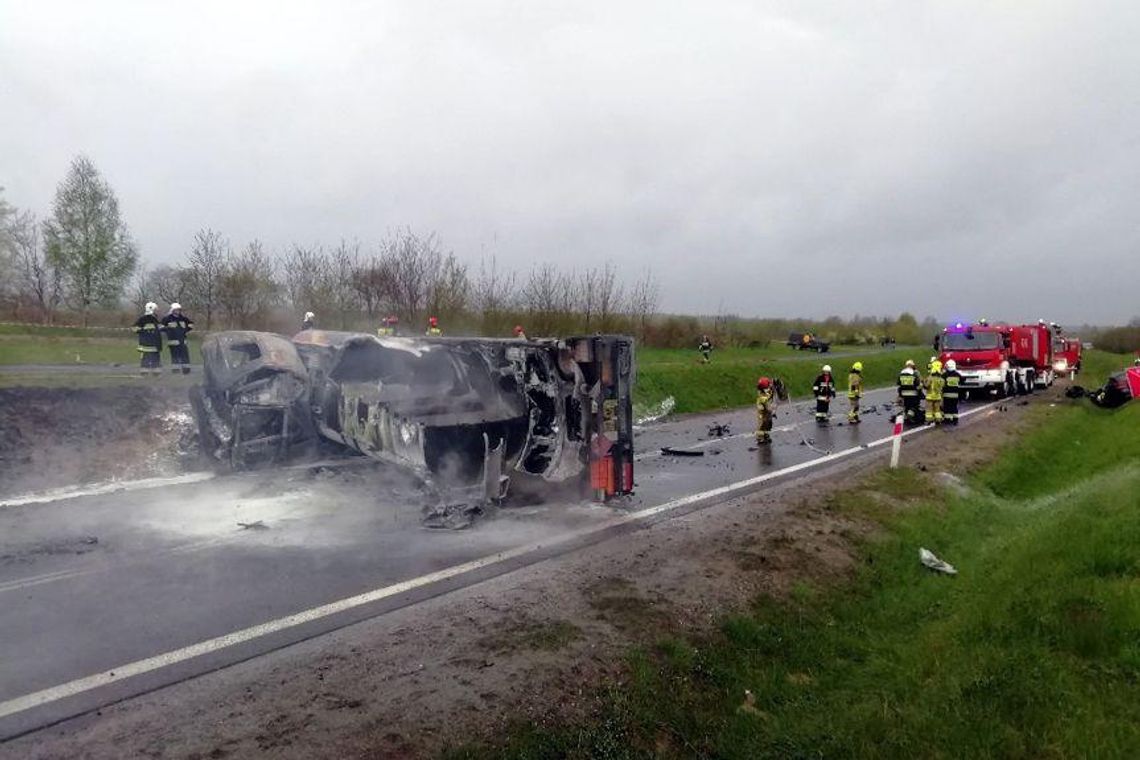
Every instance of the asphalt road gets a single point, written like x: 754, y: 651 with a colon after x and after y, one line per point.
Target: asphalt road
x: 110, y: 594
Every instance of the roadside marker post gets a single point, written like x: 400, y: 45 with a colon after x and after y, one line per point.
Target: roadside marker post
x: 896, y: 444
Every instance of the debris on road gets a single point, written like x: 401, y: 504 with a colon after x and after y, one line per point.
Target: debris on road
x: 929, y: 560
x: 810, y: 443
x: 669, y: 451
x: 255, y: 525
x: 717, y: 430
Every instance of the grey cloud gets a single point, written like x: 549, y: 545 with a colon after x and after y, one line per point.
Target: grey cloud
x: 762, y: 159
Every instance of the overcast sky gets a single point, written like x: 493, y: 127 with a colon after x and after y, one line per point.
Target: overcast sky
x: 784, y: 158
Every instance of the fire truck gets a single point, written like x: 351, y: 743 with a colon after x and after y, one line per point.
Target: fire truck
x: 1000, y: 359
x: 1066, y: 353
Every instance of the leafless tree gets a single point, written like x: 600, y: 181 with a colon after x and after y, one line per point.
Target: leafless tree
x: 414, y: 262
x: 642, y: 303
x: 141, y: 290
x: 36, y: 279
x: 342, y: 264
x: 207, y: 263
x: 372, y: 281
x: 247, y: 288
x: 306, y: 276
x: 608, y: 296
x: 171, y: 284
x: 450, y: 289
x: 548, y: 297
x: 493, y: 296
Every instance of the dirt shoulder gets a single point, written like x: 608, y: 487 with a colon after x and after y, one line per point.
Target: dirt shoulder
x: 534, y: 645
x: 67, y: 436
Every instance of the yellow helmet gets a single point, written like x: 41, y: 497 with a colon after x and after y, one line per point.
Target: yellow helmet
x: 936, y: 366
x: 857, y: 366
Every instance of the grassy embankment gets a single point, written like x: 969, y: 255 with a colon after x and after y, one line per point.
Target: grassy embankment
x: 1032, y: 651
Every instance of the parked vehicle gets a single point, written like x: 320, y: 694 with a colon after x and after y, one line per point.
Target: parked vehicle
x: 808, y: 342
x: 998, y: 358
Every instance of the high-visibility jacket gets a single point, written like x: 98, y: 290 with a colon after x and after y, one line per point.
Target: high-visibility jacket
x: 855, y: 384
x: 764, y: 399
x: 150, y: 338
x: 909, y: 383
x: 953, y: 384
x: 824, y: 386
x: 176, y: 327
x: 385, y: 332
x: 434, y: 332
x: 934, y: 385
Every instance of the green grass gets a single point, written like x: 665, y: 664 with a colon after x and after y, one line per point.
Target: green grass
x: 53, y: 349
x: 729, y: 381
x: 65, y: 332
x: 1032, y: 651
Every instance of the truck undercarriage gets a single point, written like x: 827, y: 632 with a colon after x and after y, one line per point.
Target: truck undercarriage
x: 461, y: 414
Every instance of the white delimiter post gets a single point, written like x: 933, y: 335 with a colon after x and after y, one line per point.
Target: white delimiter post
x: 896, y: 444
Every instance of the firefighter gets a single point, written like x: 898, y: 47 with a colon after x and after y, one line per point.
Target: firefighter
x: 765, y: 403
x: 309, y: 322
x: 854, y: 392
x: 705, y: 347
x: 434, y: 330
x: 387, y: 328
x: 934, y: 385
x: 951, y: 392
x: 910, y: 391
x: 930, y: 364
x: 824, y: 390
x: 520, y: 334
x: 176, y: 326
x: 150, y: 341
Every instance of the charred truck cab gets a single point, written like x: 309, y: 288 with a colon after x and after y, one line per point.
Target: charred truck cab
x: 462, y: 414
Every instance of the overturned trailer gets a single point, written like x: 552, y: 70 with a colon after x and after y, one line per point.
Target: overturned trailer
x: 460, y: 413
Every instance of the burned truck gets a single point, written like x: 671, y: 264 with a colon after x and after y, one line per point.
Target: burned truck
x: 461, y: 414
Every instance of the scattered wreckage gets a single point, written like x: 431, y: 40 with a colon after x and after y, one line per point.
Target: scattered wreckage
x: 460, y: 414
x: 1120, y: 388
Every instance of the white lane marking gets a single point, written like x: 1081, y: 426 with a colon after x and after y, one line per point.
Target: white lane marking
x: 117, y: 486
x: 140, y: 667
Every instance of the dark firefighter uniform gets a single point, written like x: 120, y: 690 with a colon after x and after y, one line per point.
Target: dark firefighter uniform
x: 824, y: 390
x: 150, y: 343
x: 854, y: 392
x: 951, y: 393
x: 765, y: 402
x: 705, y: 348
x: 176, y: 327
x: 910, y: 393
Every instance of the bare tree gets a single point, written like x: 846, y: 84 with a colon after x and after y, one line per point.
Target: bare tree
x: 171, y: 284
x: 342, y: 264
x: 608, y: 296
x: 642, y: 304
x: 450, y: 289
x: 493, y: 296
x: 87, y: 240
x: 36, y: 279
x: 548, y: 297
x: 415, y: 263
x: 207, y: 263
x: 306, y: 271
x: 247, y: 288
x: 372, y: 281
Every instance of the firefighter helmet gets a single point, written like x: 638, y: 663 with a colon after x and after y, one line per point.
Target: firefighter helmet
x: 176, y: 306
x: 309, y: 315
x: 857, y: 366
x: 951, y: 365
x: 433, y: 321
x: 150, y: 307
x: 518, y: 330
x: 910, y: 363
x: 763, y: 384
x: 936, y: 366
x: 827, y: 368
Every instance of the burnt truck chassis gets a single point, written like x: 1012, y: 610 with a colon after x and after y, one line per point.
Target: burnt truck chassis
x: 460, y: 414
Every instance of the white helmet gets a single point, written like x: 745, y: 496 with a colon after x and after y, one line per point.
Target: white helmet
x: 827, y: 368
x: 951, y: 365
x: 150, y: 307
x: 910, y: 363
x: 176, y: 306
x: 309, y: 315
x: 1004, y: 365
